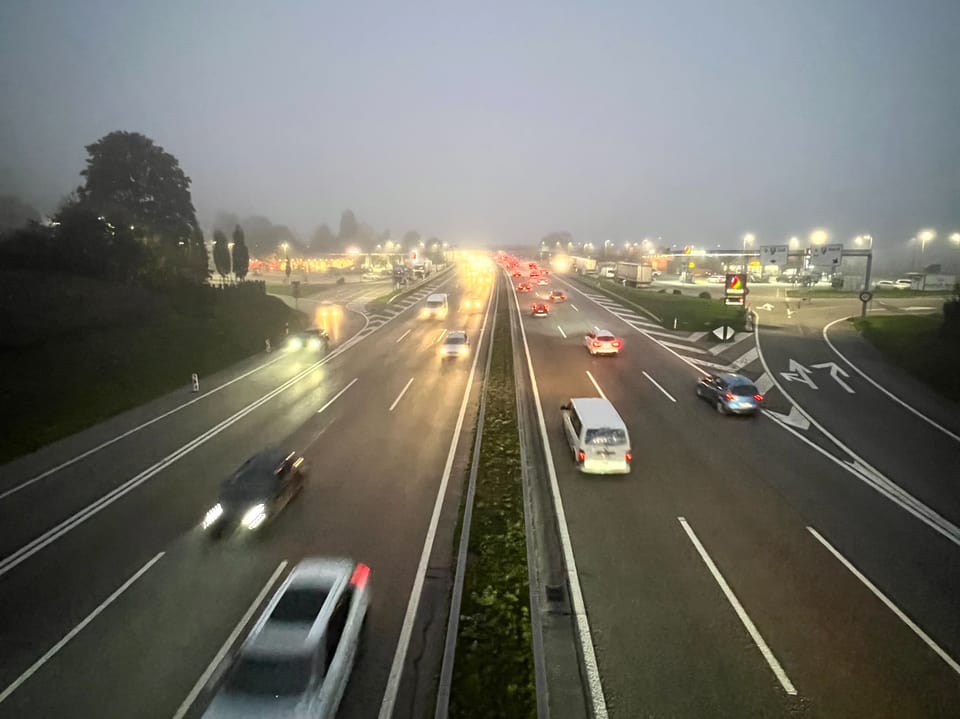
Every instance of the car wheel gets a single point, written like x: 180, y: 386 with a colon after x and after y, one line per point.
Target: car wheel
x: 699, y: 392
x: 720, y: 407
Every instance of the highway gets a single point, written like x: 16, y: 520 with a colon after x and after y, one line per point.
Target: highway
x: 728, y: 574
x: 112, y: 603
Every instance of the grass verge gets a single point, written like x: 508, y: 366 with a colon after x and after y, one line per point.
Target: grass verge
x: 493, y: 675
x: 915, y: 343
x: 881, y: 293
x: 691, y: 313
x: 82, y: 351
x: 307, y: 290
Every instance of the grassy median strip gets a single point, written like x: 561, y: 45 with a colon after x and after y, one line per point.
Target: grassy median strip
x: 691, y: 313
x: 493, y: 675
x: 916, y: 344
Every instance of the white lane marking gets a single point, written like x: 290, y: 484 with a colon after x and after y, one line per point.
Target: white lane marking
x: 77, y: 629
x: 337, y: 395
x: 741, y: 612
x: 951, y: 662
x: 400, y: 396
x: 743, y: 360
x: 124, y: 435
x: 764, y: 383
x: 678, y: 346
x: 403, y: 643
x: 562, y: 332
x: 659, y: 387
x: 574, y: 307
x: 51, y: 535
x: 887, y: 392
x: 402, y: 336
x: 696, y: 336
x: 724, y: 346
x: 600, y: 391
x: 215, y: 662
x: 442, y: 333
x: 919, y: 308
x: 714, y: 365
x: 594, y: 683
x: 870, y: 476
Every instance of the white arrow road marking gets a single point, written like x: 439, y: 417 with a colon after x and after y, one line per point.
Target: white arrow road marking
x: 794, y: 419
x: 798, y: 373
x: 836, y: 371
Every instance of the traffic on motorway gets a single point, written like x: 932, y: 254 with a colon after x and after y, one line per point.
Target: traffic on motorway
x: 282, y: 543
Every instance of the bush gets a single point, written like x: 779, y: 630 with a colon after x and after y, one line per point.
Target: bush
x: 705, y: 295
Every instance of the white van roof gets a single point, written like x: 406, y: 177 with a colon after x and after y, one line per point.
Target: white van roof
x: 597, y: 412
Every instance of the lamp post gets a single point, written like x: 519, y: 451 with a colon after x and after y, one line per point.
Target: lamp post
x: 748, y: 239
x: 925, y: 236
x: 955, y: 240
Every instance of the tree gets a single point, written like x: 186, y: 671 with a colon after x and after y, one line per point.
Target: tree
x: 323, y: 241
x: 241, y: 256
x: 199, y: 258
x: 411, y: 238
x: 221, y: 254
x: 286, y: 270
x: 15, y: 213
x: 348, y: 225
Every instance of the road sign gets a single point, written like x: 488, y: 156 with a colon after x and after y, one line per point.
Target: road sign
x: 826, y: 256
x: 735, y: 288
x: 866, y: 296
x: 774, y: 255
x: 724, y: 333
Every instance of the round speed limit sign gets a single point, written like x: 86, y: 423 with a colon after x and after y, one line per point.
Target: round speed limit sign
x: 866, y: 296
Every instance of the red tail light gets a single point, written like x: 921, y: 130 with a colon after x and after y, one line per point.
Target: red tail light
x: 616, y: 343
x: 629, y: 456
x: 596, y: 344
x: 758, y: 397
x: 728, y: 396
x: 360, y: 576
x: 581, y: 456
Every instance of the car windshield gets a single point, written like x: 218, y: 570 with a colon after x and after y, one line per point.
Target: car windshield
x: 743, y: 390
x: 606, y: 437
x: 456, y: 340
x: 273, y: 677
x: 434, y: 303
x: 606, y: 338
x: 248, y: 486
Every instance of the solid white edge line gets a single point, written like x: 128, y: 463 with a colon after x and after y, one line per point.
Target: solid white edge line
x: 403, y: 335
x: 215, y: 662
x: 657, y: 385
x: 592, y: 669
x: 741, y: 612
x: 402, y: 392
x: 337, y: 395
x: 77, y: 629
x: 600, y: 391
x: 413, y: 604
x: 890, y: 605
x: 876, y: 384
x: 878, y: 481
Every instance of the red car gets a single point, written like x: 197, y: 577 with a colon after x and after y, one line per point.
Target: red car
x: 539, y: 309
x: 523, y: 288
x: 517, y: 274
x: 557, y: 296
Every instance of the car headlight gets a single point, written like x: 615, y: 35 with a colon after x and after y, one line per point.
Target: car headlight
x: 254, y: 516
x: 424, y: 312
x: 314, y: 344
x: 212, y: 515
x: 295, y: 343
x: 462, y: 351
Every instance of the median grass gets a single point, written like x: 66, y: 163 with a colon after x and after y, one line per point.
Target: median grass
x: 691, y: 312
x: 493, y: 674
x: 80, y: 351
x: 916, y: 344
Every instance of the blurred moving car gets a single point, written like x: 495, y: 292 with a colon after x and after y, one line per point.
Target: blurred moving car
x: 539, y: 309
x: 524, y: 288
x: 597, y: 436
x: 435, y: 307
x: 730, y: 393
x: 455, y: 344
x: 256, y: 493
x: 472, y: 304
x: 297, y: 659
x: 541, y: 282
x: 602, y: 342
x: 557, y: 296
x: 312, y: 339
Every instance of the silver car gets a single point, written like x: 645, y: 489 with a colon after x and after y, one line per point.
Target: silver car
x: 297, y: 659
x: 730, y: 393
x: 455, y: 344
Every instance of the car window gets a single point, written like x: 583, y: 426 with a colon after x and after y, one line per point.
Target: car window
x: 456, y: 339
x: 338, y: 620
x: 743, y: 390
x: 270, y: 677
x: 606, y: 436
x: 299, y: 606
x: 575, y: 421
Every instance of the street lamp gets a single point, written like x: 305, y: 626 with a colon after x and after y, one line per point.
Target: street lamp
x: 925, y: 236
x: 818, y: 237
x: 859, y: 240
x: 285, y: 246
x: 794, y: 243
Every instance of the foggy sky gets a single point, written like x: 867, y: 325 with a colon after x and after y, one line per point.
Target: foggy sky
x: 500, y: 122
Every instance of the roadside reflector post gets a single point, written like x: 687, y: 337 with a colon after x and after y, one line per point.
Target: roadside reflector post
x: 196, y: 382
x: 267, y: 346
x: 674, y: 323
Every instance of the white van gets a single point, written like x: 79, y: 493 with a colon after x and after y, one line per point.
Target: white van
x: 436, y: 307
x: 597, y: 436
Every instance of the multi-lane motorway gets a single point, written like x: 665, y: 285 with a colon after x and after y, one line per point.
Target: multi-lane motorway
x: 799, y: 563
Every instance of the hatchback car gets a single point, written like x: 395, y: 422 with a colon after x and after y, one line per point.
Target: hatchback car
x: 524, y: 288
x: 602, y: 342
x: 455, y: 344
x: 730, y: 393
x: 557, y: 296
x: 313, y: 340
x: 539, y: 309
x: 298, y: 657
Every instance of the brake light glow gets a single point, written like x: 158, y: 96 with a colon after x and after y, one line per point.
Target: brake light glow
x: 758, y: 397
x: 581, y: 456
x: 728, y: 395
x: 629, y: 456
x: 616, y: 343
x: 596, y: 344
x: 360, y: 576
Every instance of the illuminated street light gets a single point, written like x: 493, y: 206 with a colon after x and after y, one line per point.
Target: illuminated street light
x: 818, y: 237
x: 955, y: 238
x: 285, y: 246
x: 794, y: 243
x: 859, y: 240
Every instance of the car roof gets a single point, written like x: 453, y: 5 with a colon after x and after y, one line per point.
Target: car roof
x: 456, y: 333
x: 597, y: 412
x: 734, y: 379
x: 601, y: 331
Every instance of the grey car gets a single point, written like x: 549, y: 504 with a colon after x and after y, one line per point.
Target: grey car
x: 730, y: 393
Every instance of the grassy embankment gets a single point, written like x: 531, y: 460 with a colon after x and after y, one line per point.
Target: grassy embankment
x: 815, y: 292
x: 493, y: 673
x: 916, y: 344
x: 306, y: 290
x: 75, y: 351
x: 691, y: 313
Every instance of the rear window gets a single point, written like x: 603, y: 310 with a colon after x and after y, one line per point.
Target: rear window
x: 456, y: 340
x: 434, y: 303
x: 606, y: 338
x: 606, y: 437
x: 299, y: 606
x: 271, y: 677
x: 743, y: 390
